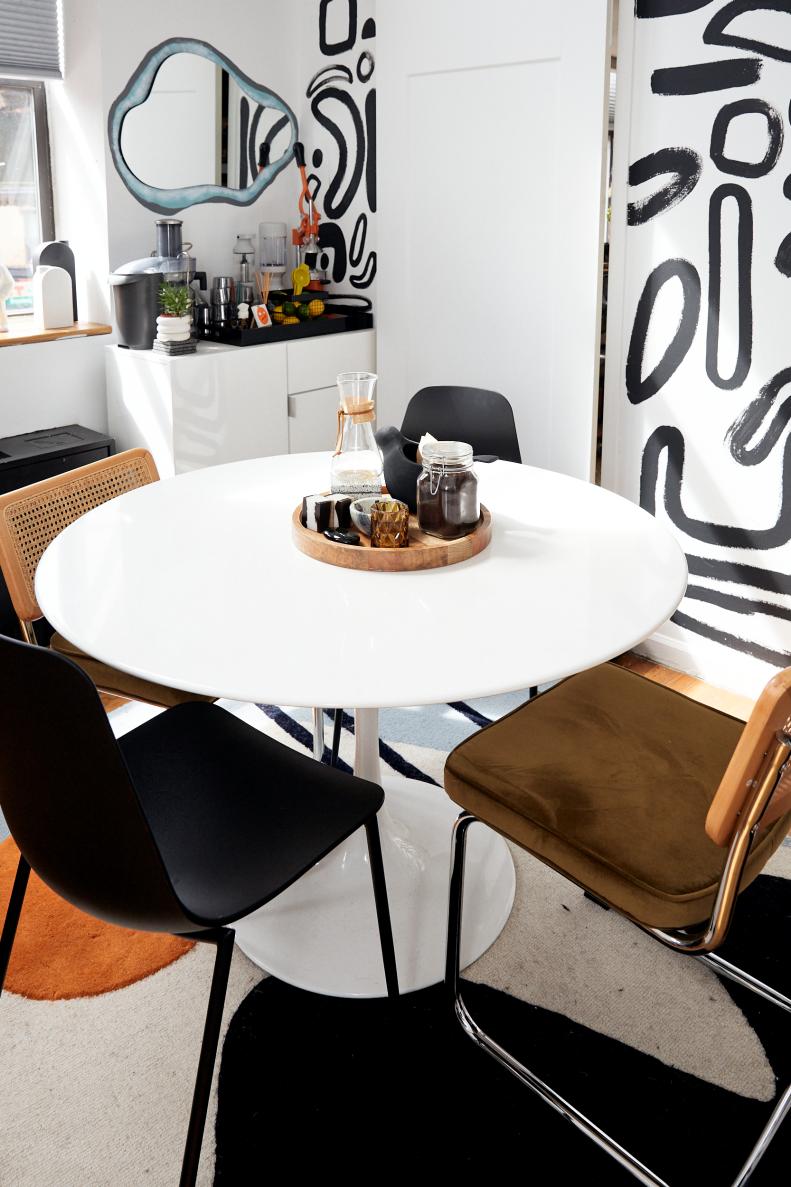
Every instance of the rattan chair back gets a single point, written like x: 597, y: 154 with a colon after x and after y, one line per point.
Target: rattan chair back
x: 31, y: 517
x: 760, y: 744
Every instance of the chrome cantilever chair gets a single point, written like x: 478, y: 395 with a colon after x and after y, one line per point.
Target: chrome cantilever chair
x: 186, y: 824
x: 654, y: 804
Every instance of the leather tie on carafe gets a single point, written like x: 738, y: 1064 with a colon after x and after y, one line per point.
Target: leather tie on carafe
x: 361, y: 412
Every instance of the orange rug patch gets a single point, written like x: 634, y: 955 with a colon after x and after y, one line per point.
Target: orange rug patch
x: 60, y: 952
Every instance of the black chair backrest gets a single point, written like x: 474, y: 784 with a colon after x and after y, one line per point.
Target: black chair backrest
x: 67, y: 796
x: 484, y: 419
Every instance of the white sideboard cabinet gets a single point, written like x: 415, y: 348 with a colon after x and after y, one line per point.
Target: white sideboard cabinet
x: 229, y: 403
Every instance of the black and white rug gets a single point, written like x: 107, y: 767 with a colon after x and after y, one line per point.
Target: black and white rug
x: 680, y: 1066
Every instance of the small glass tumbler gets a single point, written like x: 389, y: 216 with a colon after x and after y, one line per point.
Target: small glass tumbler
x: 389, y: 524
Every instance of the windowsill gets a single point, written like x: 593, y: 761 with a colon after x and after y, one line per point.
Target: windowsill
x: 25, y: 327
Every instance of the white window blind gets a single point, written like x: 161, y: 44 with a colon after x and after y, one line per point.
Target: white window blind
x: 30, y: 40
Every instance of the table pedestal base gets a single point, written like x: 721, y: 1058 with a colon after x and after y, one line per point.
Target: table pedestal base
x: 321, y: 933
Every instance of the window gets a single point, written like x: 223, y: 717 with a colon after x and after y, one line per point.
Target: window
x: 26, y: 215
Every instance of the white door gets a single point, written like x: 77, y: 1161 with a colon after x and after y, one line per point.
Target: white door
x: 492, y: 132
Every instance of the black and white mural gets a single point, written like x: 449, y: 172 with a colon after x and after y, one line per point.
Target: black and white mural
x: 339, y: 130
x: 699, y: 371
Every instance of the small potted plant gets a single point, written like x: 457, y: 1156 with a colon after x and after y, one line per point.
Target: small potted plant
x: 174, y: 323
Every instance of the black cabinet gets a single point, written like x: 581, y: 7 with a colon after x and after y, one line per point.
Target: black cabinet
x: 31, y: 457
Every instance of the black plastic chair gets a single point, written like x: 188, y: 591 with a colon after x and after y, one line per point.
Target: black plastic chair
x: 184, y: 825
x: 484, y: 419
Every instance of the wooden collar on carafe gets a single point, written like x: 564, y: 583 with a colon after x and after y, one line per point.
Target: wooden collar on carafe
x: 358, y: 414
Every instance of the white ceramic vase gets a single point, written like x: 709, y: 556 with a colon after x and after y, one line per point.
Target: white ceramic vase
x: 173, y: 329
x: 52, y: 303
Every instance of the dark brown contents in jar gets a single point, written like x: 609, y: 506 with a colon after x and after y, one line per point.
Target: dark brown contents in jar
x: 453, y: 510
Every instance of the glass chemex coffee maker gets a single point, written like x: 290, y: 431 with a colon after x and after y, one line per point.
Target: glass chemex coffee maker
x: 357, y: 467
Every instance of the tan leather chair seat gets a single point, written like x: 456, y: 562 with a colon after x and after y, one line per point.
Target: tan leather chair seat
x: 574, y: 777
x: 120, y: 683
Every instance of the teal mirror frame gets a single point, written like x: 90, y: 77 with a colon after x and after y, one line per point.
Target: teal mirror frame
x: 137, y: 90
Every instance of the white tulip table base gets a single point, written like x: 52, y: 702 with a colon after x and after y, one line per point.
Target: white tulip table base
x: 321, y: 933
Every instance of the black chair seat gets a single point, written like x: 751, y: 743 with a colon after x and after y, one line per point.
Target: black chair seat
x: 206, y: 780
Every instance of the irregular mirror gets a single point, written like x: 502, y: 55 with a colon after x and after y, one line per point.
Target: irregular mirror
x: 189, y: 127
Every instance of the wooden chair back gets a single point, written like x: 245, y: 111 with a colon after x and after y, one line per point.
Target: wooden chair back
x: 31, y: 517
x: 769, y: 721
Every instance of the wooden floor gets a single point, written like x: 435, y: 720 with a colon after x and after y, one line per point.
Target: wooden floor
x: 717, y: 698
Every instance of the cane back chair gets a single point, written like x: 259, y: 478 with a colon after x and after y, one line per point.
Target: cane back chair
x: 656, y: 805
x: 31, y: 518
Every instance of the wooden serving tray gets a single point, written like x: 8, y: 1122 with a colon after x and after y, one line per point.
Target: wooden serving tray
x: 424, y: 551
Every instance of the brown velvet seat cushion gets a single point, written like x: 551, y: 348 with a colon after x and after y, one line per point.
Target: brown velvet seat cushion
x: 608, y: 777
x: 120, y: 683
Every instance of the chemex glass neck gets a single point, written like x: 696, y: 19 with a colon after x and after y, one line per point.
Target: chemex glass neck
x: 355, y: 387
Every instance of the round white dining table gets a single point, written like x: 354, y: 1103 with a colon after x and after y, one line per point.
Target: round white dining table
x: 195, y: 582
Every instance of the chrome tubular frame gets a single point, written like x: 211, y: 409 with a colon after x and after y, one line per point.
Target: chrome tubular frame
x: 642, y: 1173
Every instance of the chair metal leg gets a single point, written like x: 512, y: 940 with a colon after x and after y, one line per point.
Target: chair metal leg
x: 452, y: 975
x: 382, y: 907
x: 223, y: 938
x: 733, y: 973
x: 337, y: 725
x: 12, y: 914
x: 761, y: 1146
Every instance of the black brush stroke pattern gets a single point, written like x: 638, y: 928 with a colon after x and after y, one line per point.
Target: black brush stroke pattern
x: 780, y: 659
x: 744, y: 256
x: 335, y: 207
x: 738, y: 573
x: 357, y: 241
x: 648, y: 9
x: 347, y: 42
x: 637, y: 387
x: 719, y: 132
x: 365, y: 278
x: 322, y: 78
x: 370, y: 154
x: 252, y: 150
x: 783, y: 257
x: 701, y: 77
x: 671, y: 439
x: 748, y: 422
x: 740, y: 605
x: 244, y: 116
x: 684, y: 163
x: 366, y: 59
x: 332, y: 236
x: 715, y: 32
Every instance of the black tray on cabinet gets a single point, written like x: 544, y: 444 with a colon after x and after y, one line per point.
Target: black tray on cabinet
x: 328, y: 323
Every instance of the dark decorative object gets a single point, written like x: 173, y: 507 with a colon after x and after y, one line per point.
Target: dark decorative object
x: 389, y: 524
x: 58, y: 254
x: 402, y: 469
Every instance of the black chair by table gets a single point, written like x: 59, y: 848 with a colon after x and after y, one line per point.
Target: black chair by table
x: 184, y: 825
x: 482, y: 418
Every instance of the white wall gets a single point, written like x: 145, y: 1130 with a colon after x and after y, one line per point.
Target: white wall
x: 44, y: 384
x: 734, y: 626
x: 491, y: 175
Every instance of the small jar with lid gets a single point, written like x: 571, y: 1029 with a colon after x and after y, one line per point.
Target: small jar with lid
x: 447, y: 490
